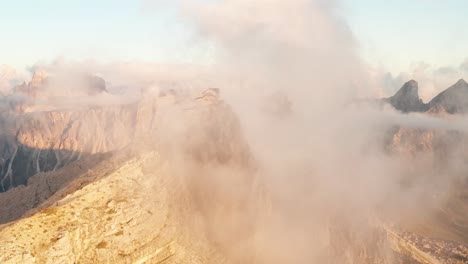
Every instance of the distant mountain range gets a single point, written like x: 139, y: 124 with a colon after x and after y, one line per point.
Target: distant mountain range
x: 454, y: 100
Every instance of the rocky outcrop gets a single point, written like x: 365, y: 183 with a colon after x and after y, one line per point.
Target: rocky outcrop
x: 136, y: 214
x: 425, y: 249
x: 169, y: 179
x: 453, y: 100
x: 15, y: 202
x: 413, y: 141
x: 147, y: 201
x: 45, y: 141
x: 40, y: 142
x: 407, y: 98
x: 43, y: 84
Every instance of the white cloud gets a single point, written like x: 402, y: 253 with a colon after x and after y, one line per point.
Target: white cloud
x: 8, y: 76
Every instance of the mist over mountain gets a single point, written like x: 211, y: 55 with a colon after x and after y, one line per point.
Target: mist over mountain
x: 453, y: 100
x: 407, y: 98
x: 191, y: 148
x: 258, y: 152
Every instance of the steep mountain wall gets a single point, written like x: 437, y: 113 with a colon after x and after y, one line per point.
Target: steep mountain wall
x: 45, y: 141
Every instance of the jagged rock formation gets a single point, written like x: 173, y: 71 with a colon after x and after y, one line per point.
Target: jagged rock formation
x: 427, y: 250
x: 42, y: 143
x: 50, y: 89
x: 170, y: 179
x: 45, y: 141
x: 42, y: 83
x: 453, y: 100
x: 145, y: 207
x: 141, y: 219
x: 443, y: 239
x: 439, y: 143
x: 407, y: 98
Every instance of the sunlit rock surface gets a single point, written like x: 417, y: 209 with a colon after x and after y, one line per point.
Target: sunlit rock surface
x: 117, y: 200
x: 135, y: 214
x: 171, y: 179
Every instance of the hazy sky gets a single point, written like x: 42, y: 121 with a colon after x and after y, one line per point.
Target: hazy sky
x: 391, y: 33
x: 397, y: 33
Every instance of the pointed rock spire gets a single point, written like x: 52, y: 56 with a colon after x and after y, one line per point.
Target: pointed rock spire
x: 407, y: 98
x: 460, y: 83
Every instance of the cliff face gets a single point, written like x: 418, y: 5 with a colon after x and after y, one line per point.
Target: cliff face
x: 130, y: 185
x: 47, y: 150
x: 134, y: 214
x: 170, y: 179
x: 440, y: 143
x: 45, y: 141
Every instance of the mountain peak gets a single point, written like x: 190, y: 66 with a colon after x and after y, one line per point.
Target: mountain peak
x: 461, y: 82
x: 410, y: 89
x: 39, y: 78
x: 407, y: 98
x: 454, y: 99
x: 411, y: 83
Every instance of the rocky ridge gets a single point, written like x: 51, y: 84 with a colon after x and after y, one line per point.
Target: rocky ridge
x: 113, y: 171
x: 37, y: 142
x: 453, y: 100
x: 84, y: 165
x: 133, y: 227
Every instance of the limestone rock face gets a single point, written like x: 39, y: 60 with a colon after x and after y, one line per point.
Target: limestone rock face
x: 133, y: 215
x: 141, y: 197
x: 412, y: 141
x: 45, y: 141
x: 170, y: 179
x: 39, y: 78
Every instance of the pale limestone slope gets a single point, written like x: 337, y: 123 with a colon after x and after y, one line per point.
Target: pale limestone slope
x: 134, y: 215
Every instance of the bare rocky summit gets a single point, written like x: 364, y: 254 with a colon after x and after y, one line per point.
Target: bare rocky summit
x: 453, y: 100
x: 407, y: 98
